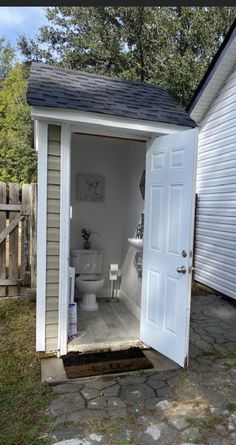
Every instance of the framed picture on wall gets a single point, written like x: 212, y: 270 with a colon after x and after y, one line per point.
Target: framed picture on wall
x: 90, y: 188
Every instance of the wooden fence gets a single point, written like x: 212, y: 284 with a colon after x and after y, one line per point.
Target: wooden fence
x: 17, y: 238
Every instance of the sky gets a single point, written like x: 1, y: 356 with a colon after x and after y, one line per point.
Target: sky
x: 20, y: 20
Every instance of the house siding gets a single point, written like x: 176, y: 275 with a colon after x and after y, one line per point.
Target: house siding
x: 53, y: 237
x: 215, y: 237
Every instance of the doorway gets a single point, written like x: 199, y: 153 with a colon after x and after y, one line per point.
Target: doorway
x: 169, y: 215
x: 112, y: 218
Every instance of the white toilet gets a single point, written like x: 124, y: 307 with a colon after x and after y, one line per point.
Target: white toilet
x: 89, y: 265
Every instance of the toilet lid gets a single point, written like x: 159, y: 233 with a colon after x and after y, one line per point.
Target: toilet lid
x: 90, y: 277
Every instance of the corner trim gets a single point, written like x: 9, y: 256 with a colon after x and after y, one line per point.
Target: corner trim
x: 41, y: 139
x: 64, y: 239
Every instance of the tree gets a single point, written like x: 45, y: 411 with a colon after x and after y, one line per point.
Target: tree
x: 7, y: 54
x: 17, y: 157
x: 196, y: 36
x: 169, y: 46
x: 85, y: 38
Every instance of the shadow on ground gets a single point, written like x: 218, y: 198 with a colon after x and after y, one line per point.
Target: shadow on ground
x: 196, y: 405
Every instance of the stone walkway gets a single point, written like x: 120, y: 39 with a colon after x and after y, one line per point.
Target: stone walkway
x: 193, y: 406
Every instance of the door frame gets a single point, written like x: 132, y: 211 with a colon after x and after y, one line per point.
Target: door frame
x: 101, y: 127
x: 64, y: 253
x: 191, y: 241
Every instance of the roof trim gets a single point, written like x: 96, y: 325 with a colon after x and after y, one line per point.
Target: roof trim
x: 105, y: 121
x: 217, y: 59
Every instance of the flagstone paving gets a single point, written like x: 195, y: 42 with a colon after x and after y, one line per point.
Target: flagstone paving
x: 180, y: 407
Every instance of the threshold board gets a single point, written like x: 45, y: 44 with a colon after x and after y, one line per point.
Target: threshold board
x: 85, y: 365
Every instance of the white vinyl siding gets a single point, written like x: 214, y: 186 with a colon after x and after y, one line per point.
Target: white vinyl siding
x: 215, y: 238
x: 221, y: 70
x: 53, y: 237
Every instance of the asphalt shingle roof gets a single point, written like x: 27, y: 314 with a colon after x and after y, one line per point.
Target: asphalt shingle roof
x: 52, y: 86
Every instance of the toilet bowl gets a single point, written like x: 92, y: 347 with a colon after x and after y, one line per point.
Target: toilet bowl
x: 89, y: 266
x: 88, y: 285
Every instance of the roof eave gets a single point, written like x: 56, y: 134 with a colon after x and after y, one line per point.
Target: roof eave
x: 110, y: 122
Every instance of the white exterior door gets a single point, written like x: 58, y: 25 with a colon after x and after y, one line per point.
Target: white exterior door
x: 168, y: 238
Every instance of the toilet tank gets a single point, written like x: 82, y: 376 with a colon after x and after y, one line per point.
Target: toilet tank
x: 87, y: 261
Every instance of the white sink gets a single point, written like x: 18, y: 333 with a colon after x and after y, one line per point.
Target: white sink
x: 136, y: 243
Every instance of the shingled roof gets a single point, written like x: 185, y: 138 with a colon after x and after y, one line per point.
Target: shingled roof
x: 52, y: 86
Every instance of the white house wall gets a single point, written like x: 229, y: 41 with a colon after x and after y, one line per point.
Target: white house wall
x: 215, y: 248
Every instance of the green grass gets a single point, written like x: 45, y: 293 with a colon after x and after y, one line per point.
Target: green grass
x: 205, y: 422
x: 231, y: 407
x: 206, y: 426
x: 124, y: 441
x: 23, y: 400
x: 228, y: 365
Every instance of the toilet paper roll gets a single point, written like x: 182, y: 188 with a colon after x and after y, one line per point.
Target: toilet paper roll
x: 114, y: 267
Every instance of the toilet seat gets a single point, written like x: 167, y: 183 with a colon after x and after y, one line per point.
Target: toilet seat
x: 90, y: 277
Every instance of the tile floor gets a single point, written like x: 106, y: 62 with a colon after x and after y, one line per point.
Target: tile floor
x: 113, y: 326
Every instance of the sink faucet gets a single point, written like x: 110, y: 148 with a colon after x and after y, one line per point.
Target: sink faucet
x: 140, y: 227
x: 139, y: 233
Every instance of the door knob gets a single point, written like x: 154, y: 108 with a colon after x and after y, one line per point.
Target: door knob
x: 181, y: 269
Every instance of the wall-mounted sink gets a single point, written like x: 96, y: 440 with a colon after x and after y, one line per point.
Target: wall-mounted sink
x: 137, y: 243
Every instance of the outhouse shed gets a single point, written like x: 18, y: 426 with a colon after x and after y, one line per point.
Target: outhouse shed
x: 89, y: 127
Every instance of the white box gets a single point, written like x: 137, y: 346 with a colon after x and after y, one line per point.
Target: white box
x: 72, y: 319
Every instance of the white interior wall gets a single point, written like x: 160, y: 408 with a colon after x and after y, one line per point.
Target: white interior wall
x: 121, y: 163
x: 134, y: 206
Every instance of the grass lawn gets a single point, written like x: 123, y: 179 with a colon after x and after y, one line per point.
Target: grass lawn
x: 23, y: 400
